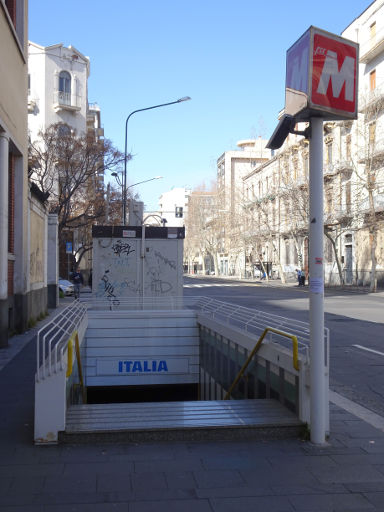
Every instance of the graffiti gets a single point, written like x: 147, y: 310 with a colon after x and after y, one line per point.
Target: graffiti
x: 158, y: 285
x: 109, y: 289
x: 165, y: 260
x: 133, y: 286
x: 36, y: 271
x: 120, y: 248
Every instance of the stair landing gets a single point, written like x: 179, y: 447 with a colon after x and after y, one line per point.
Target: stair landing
x: 192, y: 420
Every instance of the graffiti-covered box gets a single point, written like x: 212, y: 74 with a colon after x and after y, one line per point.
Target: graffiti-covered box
x: 137, y: 261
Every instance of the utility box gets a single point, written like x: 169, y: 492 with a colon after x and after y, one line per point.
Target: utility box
x: 137, y: 261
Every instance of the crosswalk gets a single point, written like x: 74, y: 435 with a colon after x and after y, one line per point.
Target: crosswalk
x: 210, y: 285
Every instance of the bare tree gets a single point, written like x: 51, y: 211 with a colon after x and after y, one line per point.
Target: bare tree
x: 70, y: 168
x: 370, y: 172
x: 201, y: 224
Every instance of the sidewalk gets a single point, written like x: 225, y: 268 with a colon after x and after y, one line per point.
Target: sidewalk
x: 283, y: 475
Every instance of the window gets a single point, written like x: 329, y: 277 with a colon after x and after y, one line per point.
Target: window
x: 372, y: 133
x: 29, y: 84
x: 348, y: 147
x: 372, y: 80
x: 11, y: 7
x: 65, y: 88
x: 179, y: 212
x: 348, y: 196
x: 329, y: 153
x: 372, y: 33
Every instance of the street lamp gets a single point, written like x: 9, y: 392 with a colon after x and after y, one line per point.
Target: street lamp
x: 124, y: 189
x: 124, y: 185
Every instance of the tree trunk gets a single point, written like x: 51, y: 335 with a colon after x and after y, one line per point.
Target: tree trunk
x: 373, y: 244
x: 372, y: 241
x: 338, y: 264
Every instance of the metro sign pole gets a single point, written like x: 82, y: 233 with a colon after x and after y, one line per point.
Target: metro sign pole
x: 321, y: 84
x: 334, y: 87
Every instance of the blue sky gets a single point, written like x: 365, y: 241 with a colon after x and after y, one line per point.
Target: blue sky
x: 228, y: 56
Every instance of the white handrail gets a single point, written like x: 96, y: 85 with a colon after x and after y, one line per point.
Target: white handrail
x: 52, y: 339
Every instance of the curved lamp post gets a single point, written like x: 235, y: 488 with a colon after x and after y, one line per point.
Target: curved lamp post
x: 124, y: 189
x: 185, y: 98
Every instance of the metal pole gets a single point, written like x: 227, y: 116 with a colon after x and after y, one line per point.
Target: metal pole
x: 180, y: 100
x: 316, y: 288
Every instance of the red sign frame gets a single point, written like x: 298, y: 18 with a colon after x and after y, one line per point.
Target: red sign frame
x: 328, y: 69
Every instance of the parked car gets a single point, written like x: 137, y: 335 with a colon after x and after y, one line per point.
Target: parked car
x: 66, y: 287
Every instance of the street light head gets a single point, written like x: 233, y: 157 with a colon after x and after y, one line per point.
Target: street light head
x: 114, y: 174
x: 186, y: 98
x: 158, y: 177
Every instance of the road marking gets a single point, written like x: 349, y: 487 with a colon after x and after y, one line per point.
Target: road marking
x: 209, y: 285
x: 369, y: 350
x: 357, y: 410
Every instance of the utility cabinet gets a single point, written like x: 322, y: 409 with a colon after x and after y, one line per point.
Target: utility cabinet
x: 137, y: 261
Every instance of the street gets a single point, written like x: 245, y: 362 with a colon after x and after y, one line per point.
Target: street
x: 355, y: 320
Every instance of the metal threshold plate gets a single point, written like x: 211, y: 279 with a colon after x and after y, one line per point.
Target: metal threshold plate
x: 178, y: 415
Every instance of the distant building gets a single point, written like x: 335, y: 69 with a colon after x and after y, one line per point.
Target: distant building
x: 58, y: 93
x: 57, y: 87
x: 232, y: 166
x: 173, y: 206
x: 14, y: 274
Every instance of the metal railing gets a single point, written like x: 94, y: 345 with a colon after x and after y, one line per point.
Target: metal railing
x: 256, y: 348
x: 250, y: 320
x: 255, y: 321
x: 53, y: 338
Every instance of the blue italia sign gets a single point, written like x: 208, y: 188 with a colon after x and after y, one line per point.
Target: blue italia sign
x: 134, y: 367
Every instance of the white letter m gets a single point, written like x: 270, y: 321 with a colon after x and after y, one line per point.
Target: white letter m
x: 338, y: 78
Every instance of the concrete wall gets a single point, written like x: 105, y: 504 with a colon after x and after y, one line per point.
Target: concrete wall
x: 38, y: 259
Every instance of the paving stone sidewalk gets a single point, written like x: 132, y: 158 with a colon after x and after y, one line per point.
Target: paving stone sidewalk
x: 283, y: 475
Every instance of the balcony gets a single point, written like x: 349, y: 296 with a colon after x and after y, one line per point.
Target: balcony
x: 66, y: 101
x: 345, y: 167
x: 373, y: 153
x: 368, y: 100
x: 329, y: 171
x: 378, y: 201
x: 338, y: 215
x: 371, y: 48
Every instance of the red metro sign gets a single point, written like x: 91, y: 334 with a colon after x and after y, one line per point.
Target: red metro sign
x: 321, y: 77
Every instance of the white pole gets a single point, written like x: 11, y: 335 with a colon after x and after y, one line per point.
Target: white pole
x: 316, y: 287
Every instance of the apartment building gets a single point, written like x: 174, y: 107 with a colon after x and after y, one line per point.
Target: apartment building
x: 58, y: 93
x: 57, y: 88
x: 232, y: 166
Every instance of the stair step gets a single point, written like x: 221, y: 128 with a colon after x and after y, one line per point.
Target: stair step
x: 191, y: 420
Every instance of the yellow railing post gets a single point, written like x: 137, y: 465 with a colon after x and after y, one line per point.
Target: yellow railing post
x: 295, y: 355
x: 75, y: 336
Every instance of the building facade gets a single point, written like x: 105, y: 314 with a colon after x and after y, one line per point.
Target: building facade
x: 229, y: 217
x: 263, y: 221
x: 173, y: 206
x: 57, y: 88
x: 14, y: 281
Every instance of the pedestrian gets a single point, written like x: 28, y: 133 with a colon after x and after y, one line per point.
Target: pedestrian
x: 298, y: 273
x: 90, y: 279
x: 302, y: 277
x: 77, y: 279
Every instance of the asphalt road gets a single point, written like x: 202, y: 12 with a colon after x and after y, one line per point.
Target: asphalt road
x: 355, y: 320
